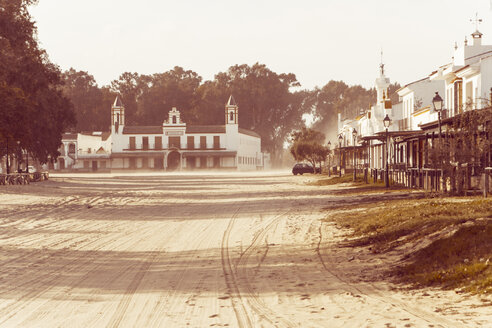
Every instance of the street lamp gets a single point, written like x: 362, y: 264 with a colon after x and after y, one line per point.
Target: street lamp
x: 387, y: 123
x: 340, y: 138
x: 354, y: 135
x: 438, y: 107
x: 329, y: 168
x: 19, y: 156
x: 8, y: 165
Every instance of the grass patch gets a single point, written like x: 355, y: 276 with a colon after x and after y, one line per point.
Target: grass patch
x: 456, y: 260
x: 357, y: 187
x: 347, y: 178
x: 460, y: 261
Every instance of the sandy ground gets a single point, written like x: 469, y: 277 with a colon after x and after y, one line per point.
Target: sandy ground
x: 199, y: 251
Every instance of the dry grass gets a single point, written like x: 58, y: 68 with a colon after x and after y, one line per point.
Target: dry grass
x: 357, y: 187
x: 462, y: 260
x: 456, y: 260
x: 335, y: 179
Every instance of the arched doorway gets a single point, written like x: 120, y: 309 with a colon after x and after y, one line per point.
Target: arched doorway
x: 173, y: 161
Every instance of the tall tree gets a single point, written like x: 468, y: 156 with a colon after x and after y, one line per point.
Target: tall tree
x: 308, y: 145
x: 338, y: 97
x: 131, y: 86
x: 266, y: 103
x: 91, y: 103
x: 33, y: 111
x: 174, y: 88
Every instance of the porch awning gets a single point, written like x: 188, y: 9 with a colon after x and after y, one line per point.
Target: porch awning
x: 138, y: 154
x: 209, y: 153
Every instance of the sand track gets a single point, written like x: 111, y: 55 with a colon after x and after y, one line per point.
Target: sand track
x: 199, y: 250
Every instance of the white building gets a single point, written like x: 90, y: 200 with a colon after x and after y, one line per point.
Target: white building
x: 468, y: 78
x: 173, y: 145
x: 416, y: 103
x: 465, y: 84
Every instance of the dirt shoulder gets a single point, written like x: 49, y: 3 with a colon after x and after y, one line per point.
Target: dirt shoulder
x: 435, y: 247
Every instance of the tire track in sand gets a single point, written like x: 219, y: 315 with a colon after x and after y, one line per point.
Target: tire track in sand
x: 242, y: 316
x: 119, y: 313
x: 372, y: 292
x: 258, y: 306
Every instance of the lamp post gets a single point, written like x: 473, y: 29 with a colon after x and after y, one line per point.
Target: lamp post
x: 19, y: 156
x: 354, y: 135
x: 329, y: 167
x: 387, y: 123
x: 8, y: 165
x: 437, y: 102
x: 340, y: 138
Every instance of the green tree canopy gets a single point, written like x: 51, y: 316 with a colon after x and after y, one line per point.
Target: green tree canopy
x: 91, y: 103
x: 307, y: 145
x: 33, y: 110
x: 266, y: 103
x: 174, y: 88
x: 337, y: 97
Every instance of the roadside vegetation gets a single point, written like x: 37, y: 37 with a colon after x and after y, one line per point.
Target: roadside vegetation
x: 357, y: 187
x: 445, y: 242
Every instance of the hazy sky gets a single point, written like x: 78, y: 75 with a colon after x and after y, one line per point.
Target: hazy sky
x: 318, y: 40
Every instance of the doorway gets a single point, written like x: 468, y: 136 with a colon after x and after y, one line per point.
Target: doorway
x: 173, y: 161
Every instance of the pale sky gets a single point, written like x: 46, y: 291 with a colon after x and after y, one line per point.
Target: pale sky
x: 318, y: 40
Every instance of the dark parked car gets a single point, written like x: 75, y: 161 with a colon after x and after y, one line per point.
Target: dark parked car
x: 301, y: 168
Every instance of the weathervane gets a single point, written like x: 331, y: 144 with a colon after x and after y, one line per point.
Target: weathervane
x: 382, y: 65
x: 477, y: 20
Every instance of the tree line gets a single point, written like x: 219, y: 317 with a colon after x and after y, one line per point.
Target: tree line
x: 39, y: 101
x: 33, y: 110
x: 271, y: 104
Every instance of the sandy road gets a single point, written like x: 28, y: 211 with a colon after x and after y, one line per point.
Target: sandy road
x: 196, y: 251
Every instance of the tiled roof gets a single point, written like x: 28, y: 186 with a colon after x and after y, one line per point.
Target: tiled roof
x: 206, y: 129
x: 105, y: 135
x: 142, y: 130
x: 69, y: 136
x: 249, y: 133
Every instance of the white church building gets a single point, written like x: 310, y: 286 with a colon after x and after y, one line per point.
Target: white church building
x: 173, y: 145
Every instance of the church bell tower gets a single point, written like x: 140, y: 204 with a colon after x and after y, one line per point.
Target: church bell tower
x: 117, y: 115
x: 231, y: 111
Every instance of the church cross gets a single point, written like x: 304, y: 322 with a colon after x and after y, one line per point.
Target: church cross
x: 477, y: 21
x: 382, y: 65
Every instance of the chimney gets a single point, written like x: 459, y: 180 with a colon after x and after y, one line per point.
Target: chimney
x: 477, y: 38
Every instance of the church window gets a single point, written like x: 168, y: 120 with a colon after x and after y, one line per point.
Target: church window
x: 174, y: 119
x: 231, y: 116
